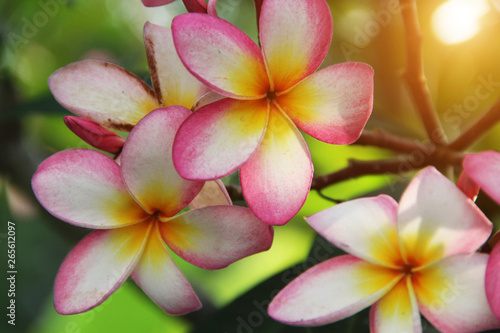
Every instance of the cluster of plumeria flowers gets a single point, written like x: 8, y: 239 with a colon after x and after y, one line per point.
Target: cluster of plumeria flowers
x: 221, y: 103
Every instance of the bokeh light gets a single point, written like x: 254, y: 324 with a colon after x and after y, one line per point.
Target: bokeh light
x: 456, y: 21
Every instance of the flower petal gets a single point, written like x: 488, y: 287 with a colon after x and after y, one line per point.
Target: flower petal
x: 155, y: 3
x: 363, y: 227
x: 484, y: 169
x: 332, y: 290
x: 468, y: 186
x: 213, y: 193
x: 85, y: 188
x: 160, y: 278
x: 195, y: 6
x: 451, y: 294
x: 173, y: 84
x: 276, y: 180
x: 103, y: 92
x: 295, y: 36
x: 436, y: 220
x: 334, y: 104
x: 220, y: 55
x: 97, y: 266
x: 492, y: 280
x: 147, y: 166
x: 216, y: 236
x: 397, y: 311
x: 94, y: 134
x: 218, y: 138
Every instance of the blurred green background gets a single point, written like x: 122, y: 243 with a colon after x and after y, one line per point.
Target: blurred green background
x: 37, y: 37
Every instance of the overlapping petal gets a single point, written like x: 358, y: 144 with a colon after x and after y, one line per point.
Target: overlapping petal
x: 397, y: 311
x: 214, y: 237
x: 85, y: 188
x: 218, y: 138
x: 492, y: 281
x: 332, y: 290
x: 97, y: 266
x: 451, y: 294
x: 160, y: 278
x: 213, y: 193
x: 364, y: 227
x: 103, y: 92
x: 334, y: 104
x: 484, y: 168
x: 147, y: 165
x: 173, y: 84
x: 276, y: 179
x: 295, y: 38
x: 220, y: 55
x: 155, y: 3
x: 436, y: 220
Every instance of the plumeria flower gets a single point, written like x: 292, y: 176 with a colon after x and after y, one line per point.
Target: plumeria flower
x: 116, y: 98
x: 196, y: 6
x: 419, y: 255
x: 484, y: 169
x: 270, y: 92
x: 135, y: 206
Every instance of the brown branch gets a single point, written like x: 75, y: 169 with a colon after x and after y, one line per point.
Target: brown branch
x: 415, y: 76
x: 416, y: 150
x: 477, y: 130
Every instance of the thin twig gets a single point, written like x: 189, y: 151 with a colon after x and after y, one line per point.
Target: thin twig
x: 477, y: 130
x: 415, y: 76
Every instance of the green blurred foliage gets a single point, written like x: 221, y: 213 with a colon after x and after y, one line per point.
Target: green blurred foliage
x: 38, y: 37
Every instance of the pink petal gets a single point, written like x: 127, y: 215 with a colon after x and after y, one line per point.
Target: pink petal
x: 97, y: 266
x: 484, y: 169
x: 195, y: 6
x: 492, y: 280
x: 211, y: 8
x: 451, y: 294
x: 213, y: 193
x: 103, y: 92
x: 85, y: 188
x: 397, y: 311
x: 147, y: 167
x: 436, y: 220
x: 220, y: 55
x: 160, y: 278
x: 94, y: 134
x: 468, y: 186
x: 276, y: 180
x: 332, y: 290
x: 295, y: 36
x: 173, y: 84
x: 155, y: 3
x: 334, y: 104
x: 363, y: 227
x: 218, y: 138
x: 214, y: 237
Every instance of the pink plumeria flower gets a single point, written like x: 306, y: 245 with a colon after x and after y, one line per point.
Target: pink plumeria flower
x: 269, y: 93
x: 114, y: 97
x: 135, y: 205
x: 415, y: 256
x: 196, y: 6
x: 484, y: 169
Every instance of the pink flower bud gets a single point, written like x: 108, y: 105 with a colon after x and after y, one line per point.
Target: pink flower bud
x: 94, y: 134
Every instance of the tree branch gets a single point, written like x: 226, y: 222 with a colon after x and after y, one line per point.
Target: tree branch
x: 415, y: 76
x: 474, y: 133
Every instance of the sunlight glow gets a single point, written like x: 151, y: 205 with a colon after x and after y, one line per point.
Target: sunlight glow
x: 456, y: 21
